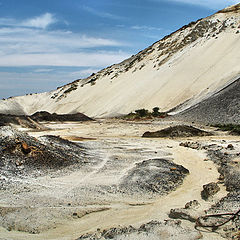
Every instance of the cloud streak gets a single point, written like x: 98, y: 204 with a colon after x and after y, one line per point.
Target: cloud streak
x: 144, y: 28
x: 81, y: 59
x: 42, y: 21
x: 102, y: 14
x: 30, y: 43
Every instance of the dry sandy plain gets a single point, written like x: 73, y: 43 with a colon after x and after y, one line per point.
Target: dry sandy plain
x: 68, y: 205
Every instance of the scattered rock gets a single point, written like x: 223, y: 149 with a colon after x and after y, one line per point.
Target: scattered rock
x: 192, y: 204
x: 193, y: 145
x: 168, y: 230
x: 185, y: 214
x: 209, y: 190
x: 230, y: 147
x: 25, y: 148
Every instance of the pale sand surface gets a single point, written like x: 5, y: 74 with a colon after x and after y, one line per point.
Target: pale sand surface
x: 112, y: 211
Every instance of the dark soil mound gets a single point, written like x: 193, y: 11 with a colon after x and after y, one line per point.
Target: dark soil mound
x: 21, y: 154
x: 46, y: 116
x: 222, y: 107
x: 177, y: 131
x: 154, y: 176
x: 24, y: 121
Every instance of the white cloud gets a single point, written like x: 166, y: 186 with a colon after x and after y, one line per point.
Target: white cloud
x: 42, y: 21
x: 64, y: 59
x: 30, y: 43
x: 212, y: 4
x: 24, y: 40
x: 144, y: 27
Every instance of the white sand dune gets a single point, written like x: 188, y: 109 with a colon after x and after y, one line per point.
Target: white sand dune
x: 183, y: 68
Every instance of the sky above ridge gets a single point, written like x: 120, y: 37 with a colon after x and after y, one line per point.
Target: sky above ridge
x: 48, y: 43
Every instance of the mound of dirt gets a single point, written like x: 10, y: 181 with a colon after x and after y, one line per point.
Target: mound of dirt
x: 223, y: 107
x: 24, y: 121
x: 154, y: 176
x: 21, y: 154
x: 177, y: 131
x: 53, y: 117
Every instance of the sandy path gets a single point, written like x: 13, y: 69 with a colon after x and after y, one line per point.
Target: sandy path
x: 124, y: 214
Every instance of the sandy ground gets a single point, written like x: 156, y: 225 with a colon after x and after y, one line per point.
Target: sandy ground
x: 118, y: 146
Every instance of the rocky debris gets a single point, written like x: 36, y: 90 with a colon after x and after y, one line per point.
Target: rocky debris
x: 230, y: 147
x: 228, y: 204
x: 21, y: 154
x: 168, y: 230
x: 185, y: 214
x: 224, y: 158
x: 193, y: 145
x: 209, y: 190
x: 189, y: 212
x: 177, y: 131
x: 223, y: 107
x: 53, y: 117
x: 232, y: 178
x: 192, y: 204
x: 154, y: 176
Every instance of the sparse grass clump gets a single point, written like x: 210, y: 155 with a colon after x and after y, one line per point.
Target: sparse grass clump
x: 232, y: 128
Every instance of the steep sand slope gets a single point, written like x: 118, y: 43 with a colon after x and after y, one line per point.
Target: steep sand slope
x: 188, y: 66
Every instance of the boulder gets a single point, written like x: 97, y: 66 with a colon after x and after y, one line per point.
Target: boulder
x: 209, y: 190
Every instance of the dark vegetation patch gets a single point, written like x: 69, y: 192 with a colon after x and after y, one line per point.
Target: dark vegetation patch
x: 234, y: 129
x: 53, y: 117
x: 177, y: 131
x: 145, y: 114
x: 159, y: 176
x: 65, y: 90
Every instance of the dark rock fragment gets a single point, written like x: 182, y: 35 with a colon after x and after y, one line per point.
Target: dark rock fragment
x: 209, y: 190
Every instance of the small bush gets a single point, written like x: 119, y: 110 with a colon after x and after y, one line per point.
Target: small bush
x: 145, y: 114
x: 233, y: 128
x: 142, y: 112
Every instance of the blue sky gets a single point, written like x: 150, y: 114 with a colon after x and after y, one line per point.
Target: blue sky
x: 47, y: 43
